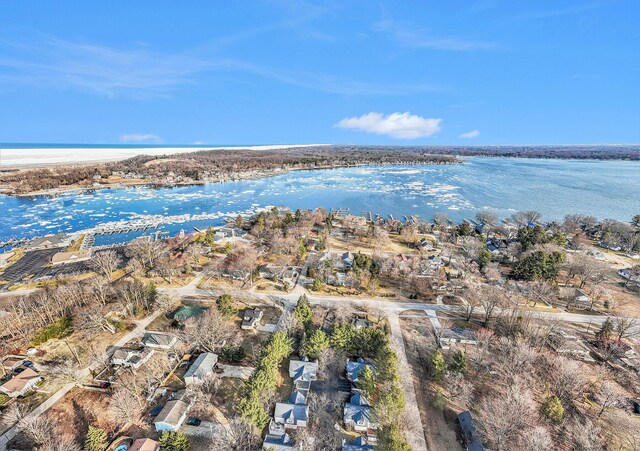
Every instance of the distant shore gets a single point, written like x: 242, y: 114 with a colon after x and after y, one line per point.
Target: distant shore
x: 30, y: 158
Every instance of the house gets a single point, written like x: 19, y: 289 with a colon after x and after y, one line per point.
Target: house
x: 132, y: 358
x: 61, y: 258
x: 359, y: 444
x: 270, y: 271
x: 347, y: 259
x: 298, y: 396
x: 291, y: 416
x: 20, y: 383
x: 172, y: 415
x: 46, y: 242
x: 354, y: 367
x: 457, y: 335
x: 144, y: 444
x: 159, y: 340
x: 630, y: 274
x: 201, y: 369
x: 251, y: 318
x: 280, y: 442
x: 361, y: 321
x: 189, y: 311
x: 580, y: 301
x: 470, y: 436
x: 303, y: 371
x: 425, y: 244
x: 358, y: 414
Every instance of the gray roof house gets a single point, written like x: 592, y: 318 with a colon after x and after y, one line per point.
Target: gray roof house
x: 291, y: 416
x: 172, y: 415
x: 298, y: 397
x: 303, y: 371
x: 354, y: 367
x: 46, y: 242
x: 359, y: 444
x: 132, y: 358
x: 469, y: 433
x: 159, y: 340
x: 358, y: 414
x: 279, y: 442
x: 201, y: 369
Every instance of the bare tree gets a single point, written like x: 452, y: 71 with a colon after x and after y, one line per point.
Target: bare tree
x: 536, y: 438
x: 487, y: 217
x: 586, y: 269
x: 610, y: 395
x: 504, y: 415
x: 194, y: 252
x: 238, y: 436
x: 626, y: 327
x: 490, y: 298
x: 210, y: 332
x: 106, y: 262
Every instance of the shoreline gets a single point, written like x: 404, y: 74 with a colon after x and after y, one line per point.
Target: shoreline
x: 231, y: 177
x: 34, y: 158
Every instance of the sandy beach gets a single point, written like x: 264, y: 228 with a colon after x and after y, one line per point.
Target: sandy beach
x: 17, y: 158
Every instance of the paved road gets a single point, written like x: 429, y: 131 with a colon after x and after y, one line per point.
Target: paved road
x: 415, y: 431
x: 49, y: 402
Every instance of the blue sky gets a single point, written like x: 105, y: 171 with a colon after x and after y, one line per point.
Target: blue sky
x: 397, y: 72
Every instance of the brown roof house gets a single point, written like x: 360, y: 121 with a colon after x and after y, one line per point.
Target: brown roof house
x: 21, y: 383
x: 71, y: 257
x: 145, y: 444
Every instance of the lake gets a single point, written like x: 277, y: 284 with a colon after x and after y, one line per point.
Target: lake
x: 604, y: 189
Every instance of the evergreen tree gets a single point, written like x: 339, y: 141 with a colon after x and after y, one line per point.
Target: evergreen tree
x: 302, y: 312
x: 484, y: 259
x: 225, y: 305
x: 439, y: 401
x: 341, y: 337
x: 174, y: 441
x: 95, y: 440
x: 459, y: 363
x: 316, y: 343
x: 367, y: 382
x: 552, y: 409
x: 438, y: 366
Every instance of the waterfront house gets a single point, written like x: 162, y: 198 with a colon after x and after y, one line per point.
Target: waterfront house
x: 144, y: 444
x: 46, y: 242
x: 20, y: 383
x: 159, y: 340
x: 132, y: 358
x: 172, y: 416
x: 201, y: 369
x: 61, y: 258
x: 251, y: 318
x: 470, y: 436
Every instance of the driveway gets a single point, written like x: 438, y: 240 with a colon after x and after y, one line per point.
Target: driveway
x: 207, y: 429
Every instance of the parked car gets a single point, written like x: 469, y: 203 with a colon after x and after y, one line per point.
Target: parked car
x: 27, y: 363
x: 105, y: 384
x: 156, y: 410
x: 193, y: 421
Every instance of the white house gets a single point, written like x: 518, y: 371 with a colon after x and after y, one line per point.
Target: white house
x: 21, y: 383
x: 291, y: 416
x: 279, y: 442
x: 201, y: 369
x: 172, y: 416
x: 133, y: 358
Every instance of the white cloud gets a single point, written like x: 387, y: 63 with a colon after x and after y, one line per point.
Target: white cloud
x: 471, y: 134
x: 396, y: 125
x: 140, y: 138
